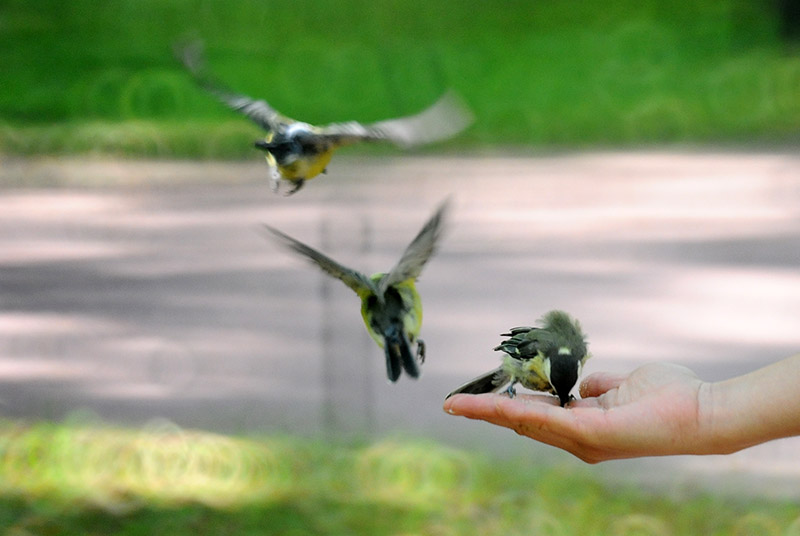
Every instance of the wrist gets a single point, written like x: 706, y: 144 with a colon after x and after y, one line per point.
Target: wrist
x: 752, y: 409
x: 719, y: 425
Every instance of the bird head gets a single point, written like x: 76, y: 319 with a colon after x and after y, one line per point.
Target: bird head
x: 566, y: 352
x: 563, y: 370
x: 285, y: 151
x: 287, y: 145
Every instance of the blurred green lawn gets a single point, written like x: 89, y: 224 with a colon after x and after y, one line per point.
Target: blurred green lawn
x: 75, y: 479
x: 99, y: 77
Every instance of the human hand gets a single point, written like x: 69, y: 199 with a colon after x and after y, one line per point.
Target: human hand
x: 658, y: 409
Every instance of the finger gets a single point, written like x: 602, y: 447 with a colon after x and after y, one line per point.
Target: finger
x: 468, y: 405
x: 591, y: 402
x: 482, y: 407
x: 493, y: 408
x: 599, y: 383
x: 477, y: 406
x: 538, y: 417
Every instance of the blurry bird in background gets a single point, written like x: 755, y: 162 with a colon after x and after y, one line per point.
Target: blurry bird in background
x: 297, y: 151
x: 548, y: 358
x: 390, y: 304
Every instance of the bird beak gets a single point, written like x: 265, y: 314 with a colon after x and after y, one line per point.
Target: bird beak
x: 263, y: 145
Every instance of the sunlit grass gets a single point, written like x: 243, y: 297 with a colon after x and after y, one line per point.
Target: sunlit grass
x: 143, y: 138
x: 122, y: 468
x: 160, y: 479
x: 82, y: 78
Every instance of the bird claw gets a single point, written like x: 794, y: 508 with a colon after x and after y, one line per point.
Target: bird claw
x: 298, y: 184
x: 420, y: 351
x: 511, y: 391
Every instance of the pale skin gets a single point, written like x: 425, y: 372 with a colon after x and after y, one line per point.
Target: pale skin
x: 658, y: 409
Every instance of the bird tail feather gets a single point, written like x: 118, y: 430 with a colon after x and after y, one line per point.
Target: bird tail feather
x: 491, y: 382
x: 398, y: 355
x: 393, y: 367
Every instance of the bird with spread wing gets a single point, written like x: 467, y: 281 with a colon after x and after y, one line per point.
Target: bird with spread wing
x: 390, y: 304
x: 297, y: 151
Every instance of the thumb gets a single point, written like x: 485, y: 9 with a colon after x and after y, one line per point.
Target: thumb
x: 598, y: 383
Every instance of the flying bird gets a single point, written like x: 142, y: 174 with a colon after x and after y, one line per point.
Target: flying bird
x: 547, y: 358
x: 297, y: 151
x: 390, y: 304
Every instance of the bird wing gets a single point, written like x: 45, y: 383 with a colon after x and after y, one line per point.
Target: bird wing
x: 417, y: 253
x: 258, y: 111
x: 357, y: 281
x: 442, y: 120
x: 524, y: 342
x: 264, y: 115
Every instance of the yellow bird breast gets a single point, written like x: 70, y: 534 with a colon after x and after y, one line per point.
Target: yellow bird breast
x: 306, y: 167
x: 529, y: 372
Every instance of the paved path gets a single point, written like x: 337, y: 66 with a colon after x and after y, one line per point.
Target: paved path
x: 133, y: 290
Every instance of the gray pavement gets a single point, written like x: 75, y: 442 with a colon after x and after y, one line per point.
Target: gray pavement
x: 135, y: 290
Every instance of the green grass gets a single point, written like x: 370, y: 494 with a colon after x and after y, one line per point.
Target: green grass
x: 74, y: 479
x: 83, y: 76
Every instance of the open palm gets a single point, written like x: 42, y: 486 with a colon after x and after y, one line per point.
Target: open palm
x: 655, y: 410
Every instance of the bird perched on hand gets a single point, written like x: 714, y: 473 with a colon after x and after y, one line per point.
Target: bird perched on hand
x: 298, y: 151
x: 390, y: 305
x: 548, y: 358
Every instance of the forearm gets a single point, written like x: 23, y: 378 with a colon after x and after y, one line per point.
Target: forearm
x: 753, y: 408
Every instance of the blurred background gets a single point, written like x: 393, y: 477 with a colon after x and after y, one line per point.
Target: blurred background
x: 165, y: 368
